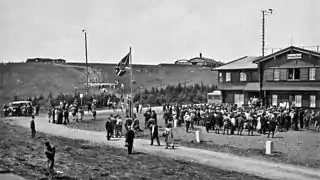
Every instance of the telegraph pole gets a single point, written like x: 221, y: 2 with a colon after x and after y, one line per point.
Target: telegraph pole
x: 264, y: 13
x: 86, y: 54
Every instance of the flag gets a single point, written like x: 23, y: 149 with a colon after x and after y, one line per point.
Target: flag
x: 123, y: 65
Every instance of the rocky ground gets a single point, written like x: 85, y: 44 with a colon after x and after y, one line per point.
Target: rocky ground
x: 78, y: 159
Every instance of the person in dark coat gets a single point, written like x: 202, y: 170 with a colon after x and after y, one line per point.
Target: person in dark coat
x: 66, y: 116
x: 128, y: 122
x: 155, y: 134
x: 147, y: 116
x: 154, y: 115
x: 109, y: 128
x: 129, y: 139
x: 33, y: 127
x: 50, y: 153
x: 154, y: 131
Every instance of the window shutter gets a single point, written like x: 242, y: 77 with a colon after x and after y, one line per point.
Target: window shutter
x: 268, y: 75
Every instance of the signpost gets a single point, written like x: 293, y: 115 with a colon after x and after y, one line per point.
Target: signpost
x: 81, y: 97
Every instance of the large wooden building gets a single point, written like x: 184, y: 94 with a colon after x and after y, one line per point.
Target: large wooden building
x: 239, y: 80
x: 291, y: 75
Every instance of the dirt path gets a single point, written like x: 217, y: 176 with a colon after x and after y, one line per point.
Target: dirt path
x: 215, y: 159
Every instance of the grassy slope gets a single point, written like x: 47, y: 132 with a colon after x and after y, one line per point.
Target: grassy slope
x: 82, y: 160
x: 34, y: 79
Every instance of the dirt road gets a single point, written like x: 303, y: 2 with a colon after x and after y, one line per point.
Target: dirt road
x: 215, y: 159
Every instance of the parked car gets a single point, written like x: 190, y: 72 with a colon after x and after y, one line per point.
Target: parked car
x: 19, y: 108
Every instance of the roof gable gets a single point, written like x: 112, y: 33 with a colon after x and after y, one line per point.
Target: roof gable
x: 286, y: 50
x: 245, y: 62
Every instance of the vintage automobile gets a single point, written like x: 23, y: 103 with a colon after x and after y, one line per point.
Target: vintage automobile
x: 19, y: 108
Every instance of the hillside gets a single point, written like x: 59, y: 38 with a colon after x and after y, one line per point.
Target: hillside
x: 34, y: 79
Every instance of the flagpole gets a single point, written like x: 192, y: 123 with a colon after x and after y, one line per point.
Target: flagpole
x: 131, y: 72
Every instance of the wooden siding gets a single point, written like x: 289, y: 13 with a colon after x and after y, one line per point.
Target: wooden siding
x: 268, y: 74
x: 284, y: 96
x: 304, y: 74
x: 254, y: 76
x: 317, y: 73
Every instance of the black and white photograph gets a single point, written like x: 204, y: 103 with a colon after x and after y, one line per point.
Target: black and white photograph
x: 159, y: 89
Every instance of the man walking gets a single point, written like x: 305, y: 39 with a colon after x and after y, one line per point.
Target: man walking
x: 129, y: 139
x: 109, y: 128
x: 33, y: 127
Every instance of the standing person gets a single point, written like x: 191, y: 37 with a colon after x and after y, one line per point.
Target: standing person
x: 50, y: 152
x: 147, y: 117
x: 81, y: 114
x: 94, y: 112
x: 155, y: 133
x: 129, y: 139
x: 154, y: 116
x: 89, y: 107
x: 49, y: 114
x: 113, y: 123
x: 33, y: 127
x: 166, y: 117
x: 66, y: 116
x: 128, y: 122
x: 109, y: 128
x: 53, y: 115
x: 168, y: 134
x: 136, y: 123
x: 140, y: 108
x: 119, y: 127
x: 187, y: 119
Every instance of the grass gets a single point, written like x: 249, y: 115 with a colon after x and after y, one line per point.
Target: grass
x: 298, y: 148
x: 83, y: 160
x: 35, y: 79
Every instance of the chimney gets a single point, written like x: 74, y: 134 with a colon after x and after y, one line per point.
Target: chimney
x: 200, y: 55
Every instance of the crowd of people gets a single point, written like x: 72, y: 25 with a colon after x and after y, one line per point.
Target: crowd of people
x: 60, y: 114
x: 251, y: 118
x: 23, y: 109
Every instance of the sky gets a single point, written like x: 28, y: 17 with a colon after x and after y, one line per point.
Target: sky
x: 159, y: 31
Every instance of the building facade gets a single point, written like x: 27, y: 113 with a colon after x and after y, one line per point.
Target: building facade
x: 291, y: 76
x: 238, y: 80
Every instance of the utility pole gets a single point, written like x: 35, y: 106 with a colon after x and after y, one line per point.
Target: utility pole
x: 86, y: 54
x: 264, y: 13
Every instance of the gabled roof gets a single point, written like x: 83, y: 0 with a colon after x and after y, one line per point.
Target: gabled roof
x: 245, y: 62
x: 282, y: 51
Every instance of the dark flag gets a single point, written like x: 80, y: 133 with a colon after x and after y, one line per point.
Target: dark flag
x: 123, y: 65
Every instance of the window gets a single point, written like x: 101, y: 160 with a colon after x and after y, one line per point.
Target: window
x: 220, y: 77
x: 297, y: 100
x: 228, y: 77
x: 293, y: 74
x: 312, y: 101
x: 312, y: 73
x: 243, y: 76
x: 239, y: 99
x: 276, y: 75
x: 274, y: 100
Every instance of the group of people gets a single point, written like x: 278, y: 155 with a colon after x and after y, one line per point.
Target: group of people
x: 21, y: 110
x: 252, y: 118
x: 60, y: 114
